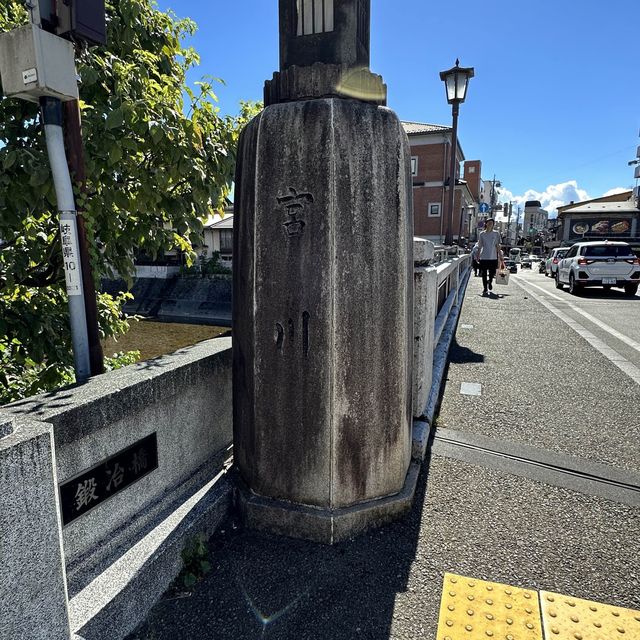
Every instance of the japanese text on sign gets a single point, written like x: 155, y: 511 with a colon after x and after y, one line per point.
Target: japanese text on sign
x: 70, y: 257
x: 90, y: 488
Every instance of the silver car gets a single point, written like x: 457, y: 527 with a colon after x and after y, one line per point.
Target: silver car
x: 554, y: 258
x: 599, y: 264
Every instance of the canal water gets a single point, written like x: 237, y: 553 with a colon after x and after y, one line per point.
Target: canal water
x: 155, y: 339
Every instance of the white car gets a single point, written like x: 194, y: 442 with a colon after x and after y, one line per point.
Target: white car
x: 599, y: 264
x: 554, y: 258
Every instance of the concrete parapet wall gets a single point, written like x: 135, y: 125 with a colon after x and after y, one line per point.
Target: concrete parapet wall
x: 184, y: 398
x: 33, y: 593
x: 438, y: 291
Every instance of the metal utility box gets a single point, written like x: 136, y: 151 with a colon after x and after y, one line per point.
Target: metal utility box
x: 35, y: 63
x: 81, y: 20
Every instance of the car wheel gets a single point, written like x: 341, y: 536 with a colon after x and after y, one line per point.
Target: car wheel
x: 574, y: 288
x: 631, y: 289
x: 559, y: 284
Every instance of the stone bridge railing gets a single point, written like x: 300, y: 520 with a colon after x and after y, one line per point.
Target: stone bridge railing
x: 102, y: 484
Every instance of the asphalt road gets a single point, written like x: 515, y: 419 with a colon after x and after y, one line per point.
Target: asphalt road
x: 611, y: 316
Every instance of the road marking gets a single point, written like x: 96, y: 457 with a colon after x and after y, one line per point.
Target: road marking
x: 466, y: 326
x: 552, y: 295
x: 471, y: 389
x: 611, y: 354
x: 605, y: 327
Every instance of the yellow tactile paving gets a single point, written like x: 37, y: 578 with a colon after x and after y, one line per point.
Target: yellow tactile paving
x: 473, y: 609
x: 567, y: 618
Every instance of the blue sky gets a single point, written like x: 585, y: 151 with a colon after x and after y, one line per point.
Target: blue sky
x: 554, y: 109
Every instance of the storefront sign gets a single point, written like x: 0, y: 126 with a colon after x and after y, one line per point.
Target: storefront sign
x: 600, y: 228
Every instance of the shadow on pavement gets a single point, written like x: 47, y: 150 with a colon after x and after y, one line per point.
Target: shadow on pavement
x: 263, y: 586
x: 597, y: 293
x: 462, y: 355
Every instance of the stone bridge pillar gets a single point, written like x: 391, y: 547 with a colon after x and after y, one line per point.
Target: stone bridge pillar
x: 323, y: 272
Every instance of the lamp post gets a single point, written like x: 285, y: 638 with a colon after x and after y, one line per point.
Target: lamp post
x: 455, y: 81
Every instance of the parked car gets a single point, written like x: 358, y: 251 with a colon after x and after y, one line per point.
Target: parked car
x: 554, y: 257
x: 599, y: 264
x: 511, y: 266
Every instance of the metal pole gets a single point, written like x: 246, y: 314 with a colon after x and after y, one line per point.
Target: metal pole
x: 75, y: 160
x: 52, y: 118
x: 452, y: 175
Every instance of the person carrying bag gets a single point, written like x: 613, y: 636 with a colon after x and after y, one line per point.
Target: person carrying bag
x: 489, y: 255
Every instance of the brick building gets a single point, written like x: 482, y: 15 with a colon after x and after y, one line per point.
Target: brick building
x: 430, y: 165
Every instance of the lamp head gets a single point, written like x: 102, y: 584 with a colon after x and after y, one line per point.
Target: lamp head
x: 456, y: 81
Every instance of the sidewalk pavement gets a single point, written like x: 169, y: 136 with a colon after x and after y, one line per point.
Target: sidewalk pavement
x: 494, y: 501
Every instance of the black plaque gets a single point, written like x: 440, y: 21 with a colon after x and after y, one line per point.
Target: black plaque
x: 92, y: 487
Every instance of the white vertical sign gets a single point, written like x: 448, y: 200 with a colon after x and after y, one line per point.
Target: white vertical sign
x: 71, y: 256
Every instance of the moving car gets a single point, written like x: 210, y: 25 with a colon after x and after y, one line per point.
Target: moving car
x: 525, y: 263
x: 515, y: 254
x: 554, y: 257
x: 511, y: 266
x: 599, y: 264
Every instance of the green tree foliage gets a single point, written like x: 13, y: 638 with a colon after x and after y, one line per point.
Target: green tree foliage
x: 159, y: 159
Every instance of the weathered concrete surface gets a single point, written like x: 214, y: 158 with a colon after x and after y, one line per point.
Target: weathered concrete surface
x: 117, y: 600
x: 323, y: 304
x: 193, y: 300
x: 33, y: 591
x: 426, y: 299
x: 185, y: 398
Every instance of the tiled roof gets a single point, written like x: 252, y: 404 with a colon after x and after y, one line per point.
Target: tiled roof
x: 416, y: 128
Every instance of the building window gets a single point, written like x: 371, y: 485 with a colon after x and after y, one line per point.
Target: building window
x: 414, y: 165
x: 226, y: 240
x: 314, y: 16
x: 472, y: 169
x: 434, y: 210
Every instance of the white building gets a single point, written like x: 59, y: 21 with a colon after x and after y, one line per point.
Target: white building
x: 218, y: 237
x: 535, y: 219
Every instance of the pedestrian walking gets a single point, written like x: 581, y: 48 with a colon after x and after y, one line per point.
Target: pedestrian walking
x: 474, y: 259
x: 489, y: 255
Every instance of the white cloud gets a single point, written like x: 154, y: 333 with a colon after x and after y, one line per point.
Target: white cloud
x: 612, y: 192
x: 554, y: 196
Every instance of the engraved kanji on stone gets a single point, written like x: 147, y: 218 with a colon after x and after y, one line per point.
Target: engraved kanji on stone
x: 294, y: 203
x: 139, y: 461
x: 85, y: 493
x: 116, y: 476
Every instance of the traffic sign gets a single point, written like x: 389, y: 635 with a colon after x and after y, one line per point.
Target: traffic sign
x: 484, y: 207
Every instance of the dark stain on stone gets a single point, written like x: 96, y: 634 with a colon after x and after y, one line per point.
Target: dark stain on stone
x: 279, y: 336
x: 305, y: 332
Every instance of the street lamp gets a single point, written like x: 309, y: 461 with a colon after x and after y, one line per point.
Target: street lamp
x: 455, y: 81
